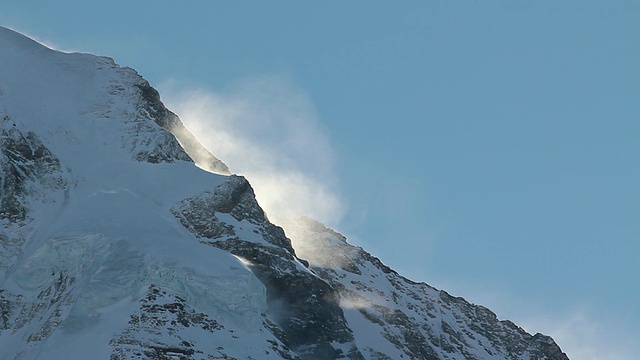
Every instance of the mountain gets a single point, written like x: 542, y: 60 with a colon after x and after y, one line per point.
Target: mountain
x: 121, y: 237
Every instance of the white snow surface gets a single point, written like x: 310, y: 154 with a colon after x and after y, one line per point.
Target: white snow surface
x: 110, y: 234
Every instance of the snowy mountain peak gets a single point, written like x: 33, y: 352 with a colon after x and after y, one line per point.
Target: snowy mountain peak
x: 102, y: 107
x: 113, y: 245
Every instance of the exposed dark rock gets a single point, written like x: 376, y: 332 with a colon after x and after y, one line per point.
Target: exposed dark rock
x: 5, y: 311
x: 416, y: 318
x: 152, y: 104
x: 24, y: 161
x: 161, y: 312
x: 303, y: 306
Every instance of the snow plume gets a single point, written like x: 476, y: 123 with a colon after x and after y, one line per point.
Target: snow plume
x: 46, y: 43
x: 266, y: 129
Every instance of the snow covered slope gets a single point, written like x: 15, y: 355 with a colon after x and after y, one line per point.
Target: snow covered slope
x: 94, y: 262
x: 115, y: 245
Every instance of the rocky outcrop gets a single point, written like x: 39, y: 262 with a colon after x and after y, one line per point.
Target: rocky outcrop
x: 304, y: 308
x: 27, y: 170
x: 162, y: 116
x: 421, y: 321
x: 161, y: 311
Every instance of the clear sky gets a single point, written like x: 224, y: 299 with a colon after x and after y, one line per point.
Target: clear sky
x: 491, y: 149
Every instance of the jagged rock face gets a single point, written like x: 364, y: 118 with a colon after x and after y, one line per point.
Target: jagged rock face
x: 166, y: 313
x: 168, y: 120
x: 420, y: 321
x: 29, y: 173
x: 303, y: 306
x: 27, y: 169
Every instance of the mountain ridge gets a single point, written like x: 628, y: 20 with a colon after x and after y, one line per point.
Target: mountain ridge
x: 108, y: 228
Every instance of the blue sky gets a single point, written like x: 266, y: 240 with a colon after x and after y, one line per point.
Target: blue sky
x: 491, y: 149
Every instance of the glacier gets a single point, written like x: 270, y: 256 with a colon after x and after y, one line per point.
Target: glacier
x: 121, y: 237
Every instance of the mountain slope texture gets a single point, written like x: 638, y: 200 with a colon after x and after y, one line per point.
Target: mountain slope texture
x: 121, y: 237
